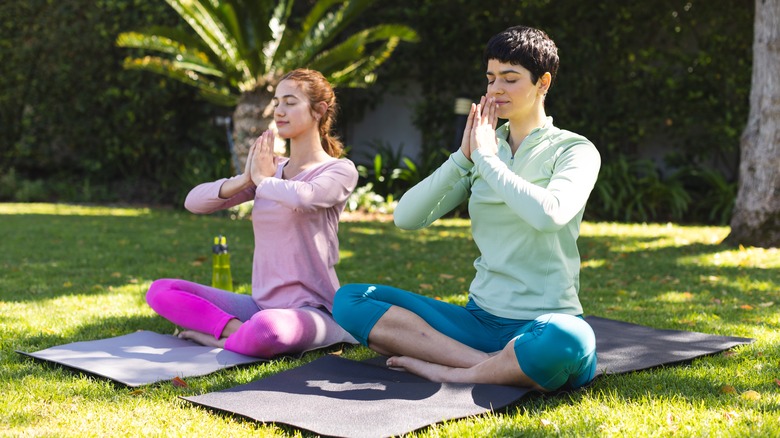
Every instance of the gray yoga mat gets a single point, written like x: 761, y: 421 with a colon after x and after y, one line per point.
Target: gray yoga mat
x: 340, y: 397
x: 142, y: 358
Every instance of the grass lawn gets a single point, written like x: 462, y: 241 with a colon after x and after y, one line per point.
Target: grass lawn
x: 80, y: 273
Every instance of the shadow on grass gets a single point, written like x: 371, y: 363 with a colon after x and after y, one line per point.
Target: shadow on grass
x: 98, y: 328
x: 663, y: 383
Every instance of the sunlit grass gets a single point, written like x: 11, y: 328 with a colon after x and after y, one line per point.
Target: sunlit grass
x: 74, y: 273
x: 70, y: 210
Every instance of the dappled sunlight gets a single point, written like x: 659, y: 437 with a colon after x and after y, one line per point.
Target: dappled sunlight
x: 368, y: 231
x: 642, y: 237
x: 70, y: 210
x: 699, y: 319
x: 675, y: 297
x: 750, y: 257
x: 460, y: 299
x: 593, y: 263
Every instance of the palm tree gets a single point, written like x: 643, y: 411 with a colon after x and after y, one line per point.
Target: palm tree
x: 240, y: 49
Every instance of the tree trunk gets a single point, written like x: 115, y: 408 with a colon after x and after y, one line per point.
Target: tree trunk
x: 756, y: 217
x: 252, y: 116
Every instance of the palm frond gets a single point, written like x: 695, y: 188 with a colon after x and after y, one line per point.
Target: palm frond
x: 292, y: 39
x: 346, y: 64
x: 361, y: 73
x: 203, y: 18
x: 279, y: 31
x: 342, y: 18
x: 319, y: 28
x: 240, y: 45
x: 208, y: 88
x: 193, y: 59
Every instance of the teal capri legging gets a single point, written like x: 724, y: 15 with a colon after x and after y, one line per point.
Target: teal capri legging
x: 555, y: 350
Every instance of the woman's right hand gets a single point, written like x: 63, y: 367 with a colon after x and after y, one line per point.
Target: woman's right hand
x: 465, y: 144
x: 233, y: 186
x: 246, y: 177
x: 263, y: 163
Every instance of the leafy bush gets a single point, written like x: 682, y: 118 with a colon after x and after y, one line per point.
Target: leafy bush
x: 714, y: 194
x: 366, y: 200
x: 71, y: 113
x: 385, y: 173
x: 633, y: 75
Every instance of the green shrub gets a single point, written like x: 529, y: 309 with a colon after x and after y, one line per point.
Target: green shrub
x: 70, y: 112
x: 632, y: 74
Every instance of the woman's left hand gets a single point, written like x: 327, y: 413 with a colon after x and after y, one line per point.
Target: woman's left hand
x: 483, y: 133
x: 263, y: 163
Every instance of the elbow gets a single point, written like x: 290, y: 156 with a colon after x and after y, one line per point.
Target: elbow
x: 405, y: 221
x: 194, y: 203
x: 404, y: 217
x: 551, y: 218
x: 549, y: 222
x: 191, y: 205
x: 401, y: 222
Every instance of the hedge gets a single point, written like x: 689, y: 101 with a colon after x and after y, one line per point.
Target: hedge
x: 660, y: 87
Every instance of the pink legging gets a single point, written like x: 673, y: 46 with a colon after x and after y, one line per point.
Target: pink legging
x: 264, y: 332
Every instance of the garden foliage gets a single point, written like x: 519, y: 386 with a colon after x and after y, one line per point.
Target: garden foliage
x: 660, y: 87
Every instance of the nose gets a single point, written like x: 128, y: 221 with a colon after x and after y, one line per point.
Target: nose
x: 494, y: 90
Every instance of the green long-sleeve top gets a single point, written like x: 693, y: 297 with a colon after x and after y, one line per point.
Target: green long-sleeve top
x: 525, y: 210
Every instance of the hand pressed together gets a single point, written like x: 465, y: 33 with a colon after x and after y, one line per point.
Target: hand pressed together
x: 480, y: 130
x: 260, y: 162
x: 483, y: 132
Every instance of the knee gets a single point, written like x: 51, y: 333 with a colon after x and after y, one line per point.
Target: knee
x: 157, y: 291
x: 347, y: 297
x: 262, y: 336
x: 558, y: 349
x: 573, y: 336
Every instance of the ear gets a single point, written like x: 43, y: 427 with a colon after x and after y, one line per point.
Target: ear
x: 545, y: 81
x: 320, y: 109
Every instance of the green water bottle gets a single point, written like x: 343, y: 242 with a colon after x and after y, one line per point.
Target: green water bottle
x: 221, y: 277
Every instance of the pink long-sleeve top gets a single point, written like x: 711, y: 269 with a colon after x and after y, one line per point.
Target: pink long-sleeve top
x: 295, y: 224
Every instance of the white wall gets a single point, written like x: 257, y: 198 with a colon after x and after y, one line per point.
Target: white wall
x: 390, y: 122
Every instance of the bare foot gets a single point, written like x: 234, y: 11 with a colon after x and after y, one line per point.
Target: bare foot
x: 500, y: 369
x: 431, y: 371
x: 202, y: 338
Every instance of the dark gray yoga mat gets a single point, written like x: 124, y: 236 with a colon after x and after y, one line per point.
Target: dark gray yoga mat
x: 339, y: 397
x: 142, y: 358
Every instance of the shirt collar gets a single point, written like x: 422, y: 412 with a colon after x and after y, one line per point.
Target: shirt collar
x: 502, y: 133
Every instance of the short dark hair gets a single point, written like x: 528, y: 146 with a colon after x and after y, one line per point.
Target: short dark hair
x: 530, y: 48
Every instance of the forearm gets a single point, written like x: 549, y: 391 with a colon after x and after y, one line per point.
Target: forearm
x: 550, y: 207
x: 433, y: 197
x: 234, y: 186
x: 329, y: 188
x: 207, y: 197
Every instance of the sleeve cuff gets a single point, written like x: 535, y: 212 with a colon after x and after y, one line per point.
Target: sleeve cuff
x: 459, y: 159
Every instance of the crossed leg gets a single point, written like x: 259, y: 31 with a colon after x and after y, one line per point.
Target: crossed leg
x: 431, y: 338
x: 420, y: 349
x: 232, y: 321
